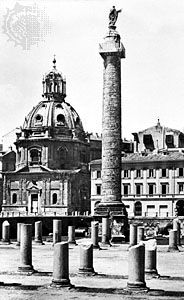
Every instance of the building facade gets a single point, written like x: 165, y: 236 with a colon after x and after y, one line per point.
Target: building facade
x: 152, y: 178
x: 52, y: 154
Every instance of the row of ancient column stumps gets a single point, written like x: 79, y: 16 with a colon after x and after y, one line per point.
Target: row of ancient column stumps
x: 142, y: 255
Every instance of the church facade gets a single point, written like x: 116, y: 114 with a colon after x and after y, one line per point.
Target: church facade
x: 52, y: 155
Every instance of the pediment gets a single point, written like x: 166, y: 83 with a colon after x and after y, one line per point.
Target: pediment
x: 33, y: 187
x: 33, y: 169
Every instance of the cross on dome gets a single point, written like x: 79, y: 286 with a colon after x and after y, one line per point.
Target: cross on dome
x: 54, y: 62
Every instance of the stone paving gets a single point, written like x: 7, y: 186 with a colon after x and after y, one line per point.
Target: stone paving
x: 110, y: 264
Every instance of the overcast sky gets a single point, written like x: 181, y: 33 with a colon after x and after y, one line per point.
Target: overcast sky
x: 152, y: 72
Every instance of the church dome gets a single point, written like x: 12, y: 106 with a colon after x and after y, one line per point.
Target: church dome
x: 53, y: 116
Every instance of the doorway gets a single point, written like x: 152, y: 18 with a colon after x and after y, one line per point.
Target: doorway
x: 138, y: 209
x: 34, y: 203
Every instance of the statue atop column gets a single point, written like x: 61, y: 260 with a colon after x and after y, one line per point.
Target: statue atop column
x: 113, y: 15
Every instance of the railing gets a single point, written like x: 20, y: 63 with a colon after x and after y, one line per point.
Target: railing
x: 10, y: 214
x: 153, y: 195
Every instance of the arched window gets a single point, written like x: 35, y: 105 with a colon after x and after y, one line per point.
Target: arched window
x: 96, y: 203
x: 59, y: 105
x: 14, y: 198
x: 38, y: 118
x: 61, y: 119
x: 138, y: 208
x: 77, y: 121
x: 35, y: 156
x: 54, y: 198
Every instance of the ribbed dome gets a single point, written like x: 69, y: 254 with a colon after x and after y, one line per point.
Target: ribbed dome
x: 60, y: 117
x: 53, y: 117
x: 53, y: 114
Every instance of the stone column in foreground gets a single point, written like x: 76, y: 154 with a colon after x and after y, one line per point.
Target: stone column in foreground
x: 151, y: 257
x: 71, y: 235
x: 6, y: 232
x: 173, y: 241
x: 106, y: 231
x: 176, y: 226
x: 136, y: 264
x: 61, y: 265
x: 133, y: 235
x: 26, y: 249
x: 94, y: 234
x: 86, y: 259
x: 38, y: 233
x: 57, y: 231
x: 18, y: 233
x: 140, y: 234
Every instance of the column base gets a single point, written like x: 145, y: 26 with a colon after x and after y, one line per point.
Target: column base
x: 119, y: 219
x: 117, y: 239
x: 105, y: 244
x: 26, y: 268
x: 173, y: 249
x: 137, y: 286
x: 153, y: 272
x: 61, y: 283
x: 17, y: 244
x: 72, y: 243
x: 86, y: 271
x: 131, y: 245
x: 110, y: 209
x: 96, y: 247
x: 38, y: 242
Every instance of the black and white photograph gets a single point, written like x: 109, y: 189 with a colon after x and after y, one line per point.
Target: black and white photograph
x: 91, y: 149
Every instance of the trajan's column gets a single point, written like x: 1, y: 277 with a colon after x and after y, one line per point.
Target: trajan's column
x: 112, y: 51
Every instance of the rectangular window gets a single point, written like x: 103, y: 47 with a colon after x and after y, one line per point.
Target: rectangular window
x: 164, y: 189
x: 164, y: 173
x: 150, y: 206
x: 169, y: 141
x: 138, y: 173
x: 163, y: 210
x: 180, y: 188
x: 180, y: 172
x: 98, y: 189
x: 138, y: 189
x: 126, y: 174
x: 151, y: 173
x: 151, y: 210
x: 151, y: 189
x: 98, y: 174
x: 125, y: 190
x: 163, y: 206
